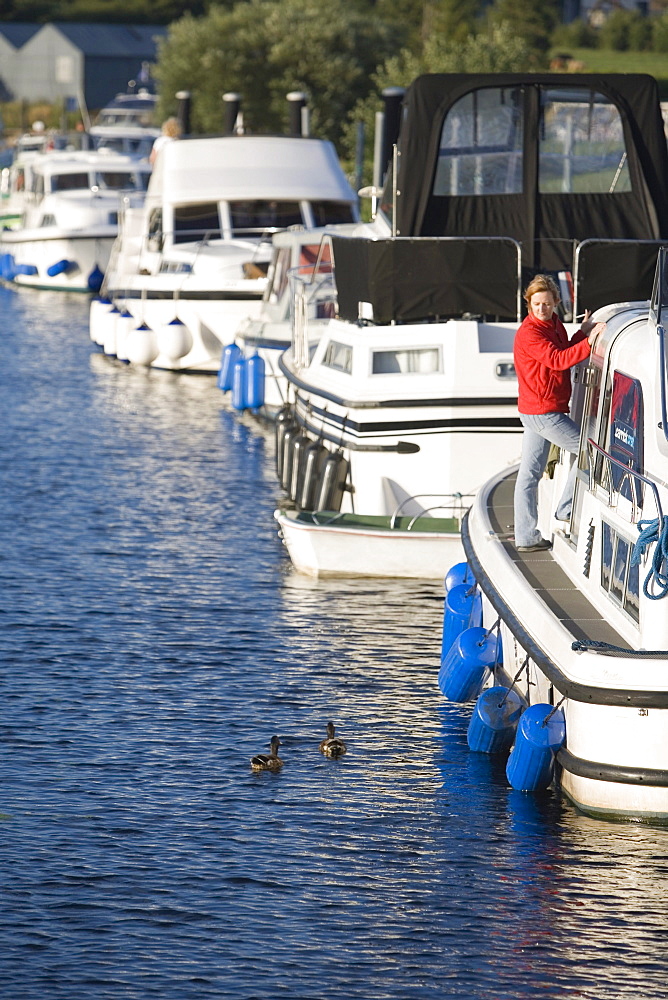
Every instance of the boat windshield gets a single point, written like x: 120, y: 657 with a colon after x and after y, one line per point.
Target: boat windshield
x: 122, y: 180
x: 259, y: 215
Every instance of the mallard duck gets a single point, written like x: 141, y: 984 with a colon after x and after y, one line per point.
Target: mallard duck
x: 268, y: 761
x: 332, y: 746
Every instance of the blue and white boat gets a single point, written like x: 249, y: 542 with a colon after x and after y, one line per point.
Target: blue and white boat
x: 584, y: 626
x: 71, y: 208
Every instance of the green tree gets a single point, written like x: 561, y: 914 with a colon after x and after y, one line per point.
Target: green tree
x: 493, y: 48
x: 263, y: 49
x: 531, y: 20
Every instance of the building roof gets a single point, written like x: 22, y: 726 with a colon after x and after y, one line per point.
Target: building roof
x: 127, y: 40
x: 17, y: 33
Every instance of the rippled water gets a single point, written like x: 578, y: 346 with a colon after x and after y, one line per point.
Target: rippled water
x: 153, y: 638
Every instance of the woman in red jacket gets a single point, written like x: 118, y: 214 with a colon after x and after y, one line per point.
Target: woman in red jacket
x: 543, y: 359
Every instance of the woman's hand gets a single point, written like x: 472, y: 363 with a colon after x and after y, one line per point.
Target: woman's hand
x: 588, y: 323
x: 591, y: 328
x: 595, y: 333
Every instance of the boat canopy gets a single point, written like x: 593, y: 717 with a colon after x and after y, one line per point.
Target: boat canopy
x: 506, y: 175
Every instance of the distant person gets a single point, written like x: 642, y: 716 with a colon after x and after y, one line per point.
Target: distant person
x: 543, y: 359
x: 171, y: 130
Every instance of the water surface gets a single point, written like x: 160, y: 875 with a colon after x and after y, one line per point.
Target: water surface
x: 153, y: 638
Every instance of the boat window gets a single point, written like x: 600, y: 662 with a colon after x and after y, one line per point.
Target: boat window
x: 155, y: 237
x: 481, y: 144
x: 196, y: 222
x: 619, y: 579
x: 258, y: 216
x: 278, y: 274
x: 121, y: 180
x: 338, y: 356
x: 581, y: 144
x: 69, y: 182
x: 327, y: 213
x: 47, y: 220
x: 414, y: 361
x: 626, y: 433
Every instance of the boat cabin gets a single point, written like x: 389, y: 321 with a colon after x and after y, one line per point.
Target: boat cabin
x: 245, y: 187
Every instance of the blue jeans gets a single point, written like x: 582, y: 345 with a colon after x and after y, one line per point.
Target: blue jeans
x: 541, y: 430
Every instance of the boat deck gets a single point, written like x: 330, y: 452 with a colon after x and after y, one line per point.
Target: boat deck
x: 549, y: 581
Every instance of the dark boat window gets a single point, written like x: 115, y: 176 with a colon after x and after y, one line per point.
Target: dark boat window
x: 626, y: 433
x: 196, y: 222
x: 619, y: 579
x: 338, y: 356
x: 278, y: 275
x: 409, y: 361
x: 632, y: 600
x: 327, y: 213
x: 155, y: 235
x: 69, y: 182
x: 257, y: 216
x: 606, y: 555
x: 581, y: 144
x: 481, y: 145
x: 617, y: 584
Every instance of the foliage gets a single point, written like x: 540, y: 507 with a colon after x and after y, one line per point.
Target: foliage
x: 660, y: 33
x: 533, y: 21
x: 493, y: 49
x: 99, y: 11
x: 263, y: 50
x: 578, y: 34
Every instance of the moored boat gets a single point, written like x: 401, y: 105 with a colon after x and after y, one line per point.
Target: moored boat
x: 192, y: 263
x: 410, y: 388
x: 371, y: 545
x: 70, y: 218
x: 583, y: 625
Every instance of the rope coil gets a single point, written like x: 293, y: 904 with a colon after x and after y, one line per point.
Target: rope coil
x: 657, y: 577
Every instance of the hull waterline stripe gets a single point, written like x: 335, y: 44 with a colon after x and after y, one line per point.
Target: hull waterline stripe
x: 589, y: 694
x: 611, y: 772
x: 391, y: 403
x: 474, y: 425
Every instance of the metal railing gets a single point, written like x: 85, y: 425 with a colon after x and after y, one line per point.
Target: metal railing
x: 629, y: 475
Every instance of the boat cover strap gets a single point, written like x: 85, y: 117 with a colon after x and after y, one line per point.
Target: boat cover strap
x: 596, y: 646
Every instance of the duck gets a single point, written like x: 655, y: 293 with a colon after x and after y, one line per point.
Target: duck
x: 268, y: 761
x: 332, y: 746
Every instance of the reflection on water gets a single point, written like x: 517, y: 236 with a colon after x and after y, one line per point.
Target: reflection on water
x: 154, y: 636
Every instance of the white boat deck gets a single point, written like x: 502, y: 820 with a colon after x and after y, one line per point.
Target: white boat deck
x: 542, y: 573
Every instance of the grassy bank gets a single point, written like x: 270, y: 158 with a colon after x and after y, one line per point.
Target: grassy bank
x: 609, y: 61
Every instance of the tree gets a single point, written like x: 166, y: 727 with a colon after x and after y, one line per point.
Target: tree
x: 491, y: 49
x: 263, y: 49
x: 531, y: 20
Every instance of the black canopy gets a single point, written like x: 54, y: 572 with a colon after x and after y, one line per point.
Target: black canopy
x: 548, y: 161
x: 537, y: 220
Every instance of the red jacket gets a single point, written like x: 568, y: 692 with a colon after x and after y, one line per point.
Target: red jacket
x: 543, y: 357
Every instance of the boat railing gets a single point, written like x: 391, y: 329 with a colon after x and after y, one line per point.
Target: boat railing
x: 607, y: 270
x: 427, y: 278
x: 456, y: 507
x: 313, y: 297
x: 600, y: 459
